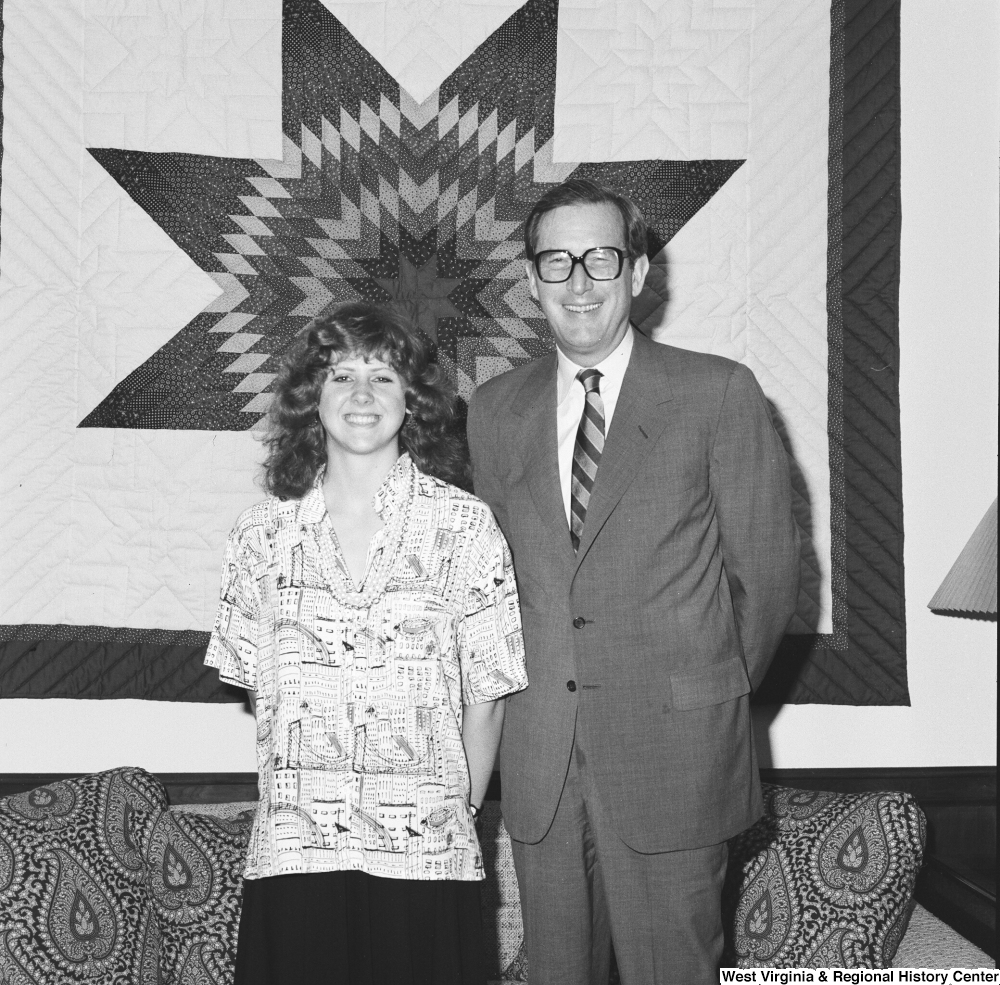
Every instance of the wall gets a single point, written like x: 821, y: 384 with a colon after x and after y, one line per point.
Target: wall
x: 948, y: 382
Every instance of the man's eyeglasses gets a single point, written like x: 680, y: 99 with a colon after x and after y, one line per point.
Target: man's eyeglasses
x: 600, y: 263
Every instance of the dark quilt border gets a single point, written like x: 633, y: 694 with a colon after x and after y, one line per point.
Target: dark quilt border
x: 39, y: 661
x: 863, y: 661
x: 869, y: 666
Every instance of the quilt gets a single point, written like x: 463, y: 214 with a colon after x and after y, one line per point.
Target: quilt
x: 184, y: 185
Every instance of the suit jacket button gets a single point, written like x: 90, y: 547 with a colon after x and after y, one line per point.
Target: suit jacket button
x: 579, y: 622
x: 571, y: 685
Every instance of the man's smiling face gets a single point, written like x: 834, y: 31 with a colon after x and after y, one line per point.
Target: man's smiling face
x: 588, y: 317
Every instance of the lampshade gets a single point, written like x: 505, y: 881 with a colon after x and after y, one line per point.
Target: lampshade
x: 971, y: 585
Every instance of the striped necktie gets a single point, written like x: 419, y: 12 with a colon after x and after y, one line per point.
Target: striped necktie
x: 586, y: 453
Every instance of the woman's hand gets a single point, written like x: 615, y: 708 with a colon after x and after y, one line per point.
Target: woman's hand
x: 481, y: 728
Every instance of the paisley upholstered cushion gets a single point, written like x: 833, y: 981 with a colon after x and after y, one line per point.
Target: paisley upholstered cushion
x: 73, y: 898
x: 823, y: 880
x: 195, y: 858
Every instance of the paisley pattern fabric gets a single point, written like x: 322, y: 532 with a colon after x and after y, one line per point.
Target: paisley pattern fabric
x: 196, y: 877
x: 12, y: 971
x: 853, y: 858
x: 10, y: 876
x: 841, y: 947
x: 124, y: 810
x: 823, y: 880
x: 181, y: 873
x: 79, y: 915
x: 73, y: 881
x: 101, y: 882
x: 51, y: 806
x: 767, y: 911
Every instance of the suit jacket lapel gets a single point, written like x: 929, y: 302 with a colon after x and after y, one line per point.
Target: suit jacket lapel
x: 638, y: 421
x: 536, y: 405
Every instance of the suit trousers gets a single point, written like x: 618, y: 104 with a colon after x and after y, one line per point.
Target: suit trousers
x: 581, y: 887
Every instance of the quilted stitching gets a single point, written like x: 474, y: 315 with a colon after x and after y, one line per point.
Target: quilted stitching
x: 180, y: 71
x: 866, y: 583
x: 674, y: 76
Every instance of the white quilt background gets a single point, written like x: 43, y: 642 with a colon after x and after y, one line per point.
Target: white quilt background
x: 126, y: 527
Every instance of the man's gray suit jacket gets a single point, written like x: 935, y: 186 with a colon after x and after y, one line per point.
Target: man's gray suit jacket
x: 650, y: 639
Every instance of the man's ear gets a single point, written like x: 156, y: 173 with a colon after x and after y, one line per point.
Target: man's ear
x: 640, y: 267
x: 529, y: 270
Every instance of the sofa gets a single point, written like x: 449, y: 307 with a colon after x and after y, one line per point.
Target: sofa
x: 101, y: 880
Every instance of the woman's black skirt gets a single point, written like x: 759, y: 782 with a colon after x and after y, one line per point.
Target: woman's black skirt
x: 350, y: 928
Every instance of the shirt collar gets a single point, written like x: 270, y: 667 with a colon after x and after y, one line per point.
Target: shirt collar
x: 612, y: 368
x: 395, y: 488
x: 389, y: 496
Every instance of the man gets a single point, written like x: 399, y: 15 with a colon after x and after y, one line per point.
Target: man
x: 647, y: 506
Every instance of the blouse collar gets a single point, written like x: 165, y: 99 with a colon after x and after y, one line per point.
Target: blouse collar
x: 395, y: 488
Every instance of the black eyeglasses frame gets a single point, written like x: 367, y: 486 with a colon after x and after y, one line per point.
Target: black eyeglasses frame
x: 581, y: 260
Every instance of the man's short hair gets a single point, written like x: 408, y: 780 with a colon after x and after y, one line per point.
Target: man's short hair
x: 583, y: 191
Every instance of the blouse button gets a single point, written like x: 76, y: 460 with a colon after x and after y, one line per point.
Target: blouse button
x: 579, y: 622
x: 571, y: 685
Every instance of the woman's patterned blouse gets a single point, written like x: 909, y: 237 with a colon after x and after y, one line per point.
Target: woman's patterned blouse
x: 360, y: 692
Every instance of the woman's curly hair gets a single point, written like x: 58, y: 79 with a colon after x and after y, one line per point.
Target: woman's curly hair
x: 296, y: 442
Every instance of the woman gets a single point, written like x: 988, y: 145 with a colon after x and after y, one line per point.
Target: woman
x: 369, y: 608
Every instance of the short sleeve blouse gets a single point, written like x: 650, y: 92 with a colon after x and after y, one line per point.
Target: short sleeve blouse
x: 360, y: 691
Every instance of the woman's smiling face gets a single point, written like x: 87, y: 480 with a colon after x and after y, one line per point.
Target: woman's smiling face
x: 362, y: 407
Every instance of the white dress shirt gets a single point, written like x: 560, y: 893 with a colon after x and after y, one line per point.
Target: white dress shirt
x: 570, y: 398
